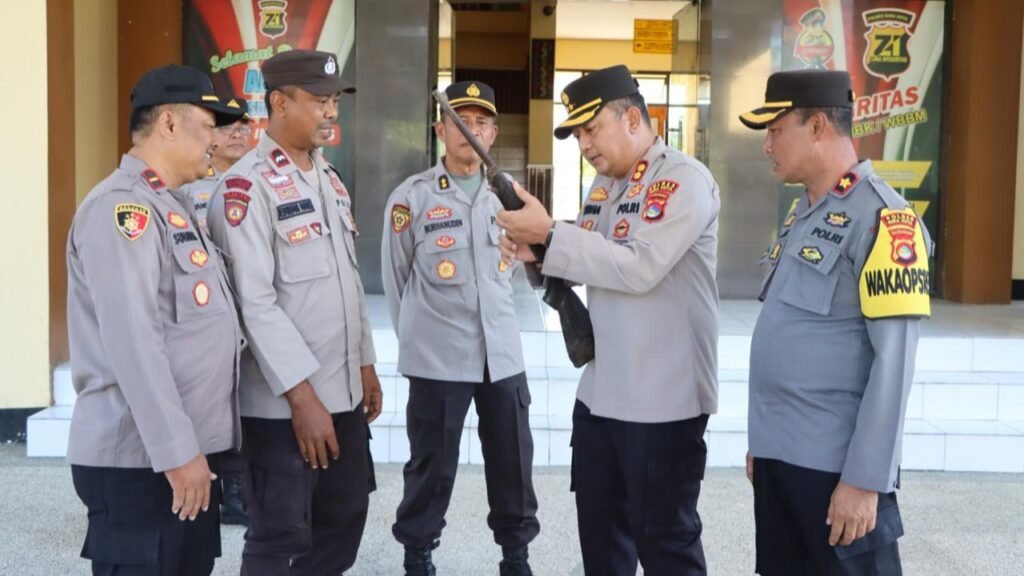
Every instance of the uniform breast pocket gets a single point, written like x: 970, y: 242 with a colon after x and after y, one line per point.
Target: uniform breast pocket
x: 350, y: 234
x: 445, y: 257
x: 501, y: 270
x: 302, y: 251
x: 197, y: 292
x: 811, y: 284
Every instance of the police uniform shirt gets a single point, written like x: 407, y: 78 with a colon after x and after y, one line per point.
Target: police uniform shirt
x: 646, y: 247
x: 828, y: 388
x: 289, y: 244
x: 152, y: 326
x: 448, y: 290
x: 200, y: 191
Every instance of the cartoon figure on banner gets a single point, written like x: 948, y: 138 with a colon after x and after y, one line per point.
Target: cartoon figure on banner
x: 887, y: 54
x: 814, y: 46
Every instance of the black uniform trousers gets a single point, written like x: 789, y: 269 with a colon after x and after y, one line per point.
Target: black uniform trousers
x: 790, y: 507
x: 132, y: 531
x: 304, y: 521
x: 435, y: 415
x: 636, y: 494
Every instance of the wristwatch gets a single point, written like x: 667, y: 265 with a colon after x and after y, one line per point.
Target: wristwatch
x: 551, y: 233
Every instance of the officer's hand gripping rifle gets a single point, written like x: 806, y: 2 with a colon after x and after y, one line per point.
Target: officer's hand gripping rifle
x: 576, y: 327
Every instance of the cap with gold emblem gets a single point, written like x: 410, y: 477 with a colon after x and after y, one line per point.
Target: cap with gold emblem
x: 800, y: 89
x: 584, y: 97
x: 239, y: 104
x: 314, y: 71
x: 176, y: 84
x: 471, y: 93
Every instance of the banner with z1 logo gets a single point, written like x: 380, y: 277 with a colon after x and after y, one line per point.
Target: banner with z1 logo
x: 230, y: 39
x: 893, y: 50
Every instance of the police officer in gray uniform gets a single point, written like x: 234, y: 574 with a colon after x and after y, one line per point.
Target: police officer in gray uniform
x: 231, y: 142
x: 308, y: 386
x: 832, y: 356
x: 451, y: 304
x: 154, y: 343
x: 645, y: 245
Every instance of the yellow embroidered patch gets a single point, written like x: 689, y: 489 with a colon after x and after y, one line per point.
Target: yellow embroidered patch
x: 895, y: 281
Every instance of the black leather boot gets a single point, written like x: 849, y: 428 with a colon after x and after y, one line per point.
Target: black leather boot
x: 232, y: 511
x: 515, y: 561
x: 418, y: 560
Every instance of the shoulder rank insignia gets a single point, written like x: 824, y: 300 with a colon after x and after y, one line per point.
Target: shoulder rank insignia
x: 837, y: 219
x: 621, y: 229
x: 177, y: 220
x: 811, y: 254
x: 236, y: 206
x: 639, y: 171
x: 154, y: 181
x: 400, y: 218
x: 598, y: 195
x: 446, y: 269
x: 789, y: 220
x: 895, y: 281
x: 845, y: 183
x: 443, y: 183
x: 131, y: 220
x: 279, y: 158
x: 773, y: 255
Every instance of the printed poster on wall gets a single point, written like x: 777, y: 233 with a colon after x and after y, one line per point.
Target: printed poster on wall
x: 893, y: 50
x: 230, y: 39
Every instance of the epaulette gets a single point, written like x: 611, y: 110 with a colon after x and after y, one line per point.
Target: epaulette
x: 890, y: 198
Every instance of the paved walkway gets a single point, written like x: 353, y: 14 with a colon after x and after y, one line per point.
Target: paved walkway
x: 957, y: 524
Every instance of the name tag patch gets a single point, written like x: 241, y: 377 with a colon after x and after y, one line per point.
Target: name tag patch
x: 293, y: 209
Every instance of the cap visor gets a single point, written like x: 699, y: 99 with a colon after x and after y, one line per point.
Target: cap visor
x: 328, y: 87
x: 564, y: 130
x: 223, y: 115
x: 460, y: 102
x: 760, y: 118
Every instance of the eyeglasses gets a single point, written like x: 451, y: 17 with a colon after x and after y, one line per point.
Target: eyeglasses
x: 242, y: 128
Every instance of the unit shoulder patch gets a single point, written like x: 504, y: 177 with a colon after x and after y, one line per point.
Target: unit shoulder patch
x: 236, y: 206
x: 400, y: 218
x: 895, y: 281
x: 131, y: 220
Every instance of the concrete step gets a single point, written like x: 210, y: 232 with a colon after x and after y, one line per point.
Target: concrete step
x: 63, y: 389
x: 48, y: 431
